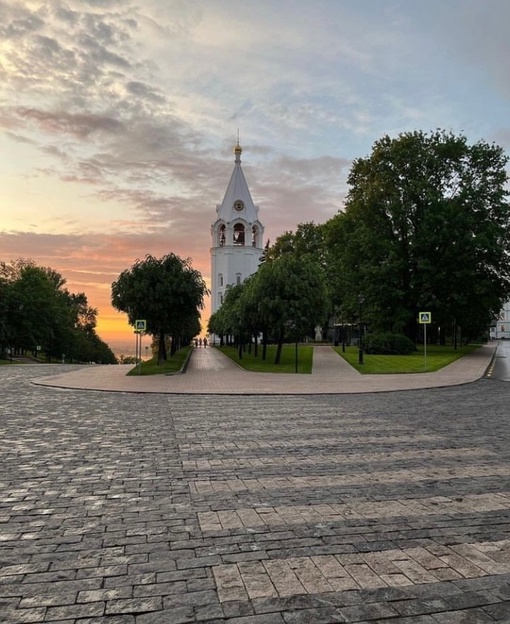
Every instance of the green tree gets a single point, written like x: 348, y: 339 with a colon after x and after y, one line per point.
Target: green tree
x: 426, y: 226
x: 291, y: 297
x: 37, y: 310
x: 168, y: 293
x: 307, y: 240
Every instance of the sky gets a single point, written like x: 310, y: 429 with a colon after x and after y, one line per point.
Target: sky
x: 118, y: 118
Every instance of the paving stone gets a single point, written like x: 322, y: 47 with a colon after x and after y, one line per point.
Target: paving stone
x: 195, y: 599
x: 181, y: 615
x: 134, y: 605
x: 208, y: 508
x: 69, y: 612
x: 208, y: 613
x: 317, y: 616
x: 467, y: 616
x: 18, y: 616
x: 237, y: 608
x: 420, y: 619
x: 273, y: 618
x: 111, y: 619
x: 373, y: 611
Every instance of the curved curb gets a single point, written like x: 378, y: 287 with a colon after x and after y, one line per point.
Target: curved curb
x: 490, y: 366
x: 236, y: 382
x: 184, y: 366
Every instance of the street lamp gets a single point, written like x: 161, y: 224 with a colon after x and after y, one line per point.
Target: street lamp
x: 361, y: 301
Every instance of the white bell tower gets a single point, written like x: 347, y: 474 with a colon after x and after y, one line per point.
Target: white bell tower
x: 237, y: 236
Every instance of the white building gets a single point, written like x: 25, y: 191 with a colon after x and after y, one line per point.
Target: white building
x: 500, y: 329
x: 237, y: 236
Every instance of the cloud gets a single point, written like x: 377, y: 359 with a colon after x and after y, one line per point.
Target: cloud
x: 79, y: 125
x: 119, y: 117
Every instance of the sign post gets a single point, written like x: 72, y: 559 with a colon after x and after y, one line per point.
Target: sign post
x: 140, y: 328
x: 425, y: 318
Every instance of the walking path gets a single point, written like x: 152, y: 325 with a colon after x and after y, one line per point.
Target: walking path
x: 211, y: 372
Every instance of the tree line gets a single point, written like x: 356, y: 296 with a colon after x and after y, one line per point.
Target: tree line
x: 425, y: 227
x: 40, y: 317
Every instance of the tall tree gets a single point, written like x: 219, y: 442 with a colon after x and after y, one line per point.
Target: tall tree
x: 291, y: 296
x: 168, y: 293
x: 426, y: 226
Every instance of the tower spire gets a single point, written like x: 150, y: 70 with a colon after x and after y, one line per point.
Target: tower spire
x: 238, y: 150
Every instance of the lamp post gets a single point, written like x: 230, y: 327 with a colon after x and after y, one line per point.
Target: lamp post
x: 361, y: 301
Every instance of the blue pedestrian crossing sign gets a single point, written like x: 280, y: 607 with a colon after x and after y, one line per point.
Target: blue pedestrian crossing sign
x: 140, y: 325
x: 424, y: 318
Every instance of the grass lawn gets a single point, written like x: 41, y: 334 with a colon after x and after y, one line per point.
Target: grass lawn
x: 437, y: 358
x: 172, y: 365
x: 287, y: 364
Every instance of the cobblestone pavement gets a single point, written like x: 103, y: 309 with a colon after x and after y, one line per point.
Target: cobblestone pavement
x: 119, y: 508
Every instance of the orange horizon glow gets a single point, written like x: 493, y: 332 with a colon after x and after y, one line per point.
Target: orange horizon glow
x: 114, y: 329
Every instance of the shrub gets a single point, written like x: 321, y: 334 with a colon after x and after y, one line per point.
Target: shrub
x: 388, y: 344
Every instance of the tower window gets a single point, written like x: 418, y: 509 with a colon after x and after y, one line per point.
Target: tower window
x: 220, y: 279
x: 254, y: 236
x: 238, y: 278
x: 238, y: 234
x: 221, y: 238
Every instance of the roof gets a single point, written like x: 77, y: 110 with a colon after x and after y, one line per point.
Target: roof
x: 237, y: 190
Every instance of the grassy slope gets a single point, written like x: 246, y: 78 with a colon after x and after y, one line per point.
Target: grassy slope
x: 437, y: 358
x: 287, y: 364
x: 172, y: 365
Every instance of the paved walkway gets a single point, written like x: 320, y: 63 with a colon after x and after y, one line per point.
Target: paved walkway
x: 211, y: 372
x: 125, y: 508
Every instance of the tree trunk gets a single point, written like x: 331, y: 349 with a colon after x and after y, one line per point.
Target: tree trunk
x: 279, y: 348
x: 161, y: 348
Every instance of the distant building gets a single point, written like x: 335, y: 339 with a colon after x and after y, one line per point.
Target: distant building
x: 237, y: 236
x: 500, y: 328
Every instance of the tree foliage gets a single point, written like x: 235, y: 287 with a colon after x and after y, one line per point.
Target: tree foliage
x: 307, y: 240
x: 292, y: 298
x: 426, y: 227
x: 37, y: 311
x: 284, y: 299
x: 168, y: 293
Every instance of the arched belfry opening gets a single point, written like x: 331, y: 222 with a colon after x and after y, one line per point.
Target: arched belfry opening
x: 222, y: 238
x: 237, y: 235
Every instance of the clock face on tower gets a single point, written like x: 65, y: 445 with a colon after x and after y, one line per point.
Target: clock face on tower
x: 238, y: 205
